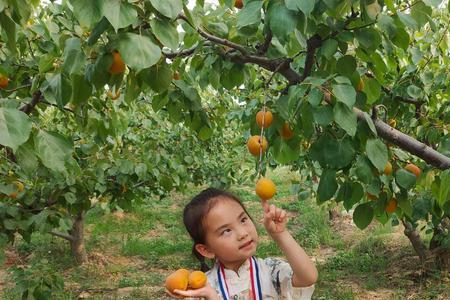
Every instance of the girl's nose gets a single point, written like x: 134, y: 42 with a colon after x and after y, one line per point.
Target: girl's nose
x: 242, y: 234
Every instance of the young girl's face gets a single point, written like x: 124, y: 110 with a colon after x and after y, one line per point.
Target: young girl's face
x: 230, y: 233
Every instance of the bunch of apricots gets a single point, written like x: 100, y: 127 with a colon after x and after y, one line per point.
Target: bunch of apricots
x: 183, y: 280
x: 392, y: 203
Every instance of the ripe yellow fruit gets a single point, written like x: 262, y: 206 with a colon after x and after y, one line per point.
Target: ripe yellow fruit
x: 238, y: 4
x: 265, y: 188
x: 268, y: 117
x: 413, y: 169
x: 391, y: 206
x: 178, y: 280
x: 254, y: 144
x: 117, y: 66
x: 4, y: 81
x: 360, y: 85
x: 392, y: 122
x: 388, y: 169
x: 19, y: 185
x: 197, y: 279
x: 286, y: 132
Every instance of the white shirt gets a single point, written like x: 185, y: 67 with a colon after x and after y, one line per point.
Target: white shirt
x: 275, y: 277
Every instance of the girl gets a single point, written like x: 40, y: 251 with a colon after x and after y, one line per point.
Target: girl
x: 222, y: 230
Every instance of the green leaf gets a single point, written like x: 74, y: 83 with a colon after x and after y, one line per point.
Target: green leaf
x: 141, y: 170
x: 250, y: 14
x: 323, y: 115
x: 232, y: 77
x: 329, y: 48
x: 414, y: 91
x: 88, y: 12
x: 120, y: 14
x: 74, y: 58
x: 168, y: 8
x: 405, y: 179
x: 421, y: 13
x: 9, y: 27
x: 305, y: 6
x: 363, y: 170
x: 442, y: 192
x: 282, y: 21
x: 369, y: 38
x: 60, y: 89
x: 166, y: 32
x: 345, y: 93
x: 332, y: 153
x: 377, y: 153
x: 286, y: 151
x: 138, y: 51
x: 53, y: 149
x: 26, y: 157
x: 346, y: 65
x: 346, y: 118
x: 205, y: 133
x: 327, y: 186
x: 315, y: 97
x: 363, y: 215
x: 372, y: 89
x: 81, y: 90
x: 357, y: 193
x: 159, y: 77
x: 98, y: 30
x: 15, y: 127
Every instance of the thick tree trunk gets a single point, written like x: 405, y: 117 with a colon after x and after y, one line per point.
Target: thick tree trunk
x: 77, y: 243
x: 415, y: 240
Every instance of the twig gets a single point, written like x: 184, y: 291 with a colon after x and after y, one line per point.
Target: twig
x: 62, y: 235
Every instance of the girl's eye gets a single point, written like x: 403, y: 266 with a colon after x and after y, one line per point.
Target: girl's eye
x: 225, y: 231
x: 244, y: 219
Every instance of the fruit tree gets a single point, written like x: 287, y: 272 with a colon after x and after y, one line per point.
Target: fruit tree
x: 358, y: 93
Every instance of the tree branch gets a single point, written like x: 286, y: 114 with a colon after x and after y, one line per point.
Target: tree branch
x: 262, y: 49
x: 27, y: 108
x: 62, y: 235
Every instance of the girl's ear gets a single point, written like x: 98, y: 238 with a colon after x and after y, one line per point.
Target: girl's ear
x: 203, y: 250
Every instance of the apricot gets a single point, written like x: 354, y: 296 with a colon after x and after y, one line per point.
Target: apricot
x: 176, y: 75
x: 413, y: 169
x: 254, y: 144
x: 197, y: 279
x: 19, y: 185
x: 286, y: 132
x: 268, y: 117
x: 238, y: 4
x: 4, y: 81
x: 117, y: 66
x: 388, y: 169
x: 360, y: 85
x: 265, y: 188
x: 178, y: 280
x: 391, y: 206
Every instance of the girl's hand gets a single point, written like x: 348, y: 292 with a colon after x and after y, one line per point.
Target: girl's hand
x: 275, y: 219
x: 206, y: 292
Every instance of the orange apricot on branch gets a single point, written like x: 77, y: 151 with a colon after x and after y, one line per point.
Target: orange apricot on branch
x: 391, y: 206
x: 238, y: 4
x: 4, y: 81
x: 197, y: 279
x: 178, y: 280
x: 117, y: 66
x: 388, y: 169
x: 265, y: 188
x: 413, y: 169
x: 286, y: 132
x: 19, y: 185
x: 254, y: 144
x: 268, y: 117
x: 176, y: 75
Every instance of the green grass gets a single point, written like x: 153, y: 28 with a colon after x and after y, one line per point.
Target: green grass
x: 137, y: 250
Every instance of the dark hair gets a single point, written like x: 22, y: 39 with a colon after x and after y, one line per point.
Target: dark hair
x: 195, y: 212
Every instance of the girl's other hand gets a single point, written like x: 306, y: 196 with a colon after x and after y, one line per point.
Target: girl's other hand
x: 275, y: 219
x: 206, y: 292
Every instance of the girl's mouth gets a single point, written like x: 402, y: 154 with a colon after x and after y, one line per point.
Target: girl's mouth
x: 246, y: 245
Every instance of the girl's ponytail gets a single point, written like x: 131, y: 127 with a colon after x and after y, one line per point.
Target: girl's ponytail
x: 203, y: 265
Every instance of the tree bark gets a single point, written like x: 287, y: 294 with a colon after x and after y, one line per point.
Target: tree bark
x: 415, y: 240
x: 77, y: 243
